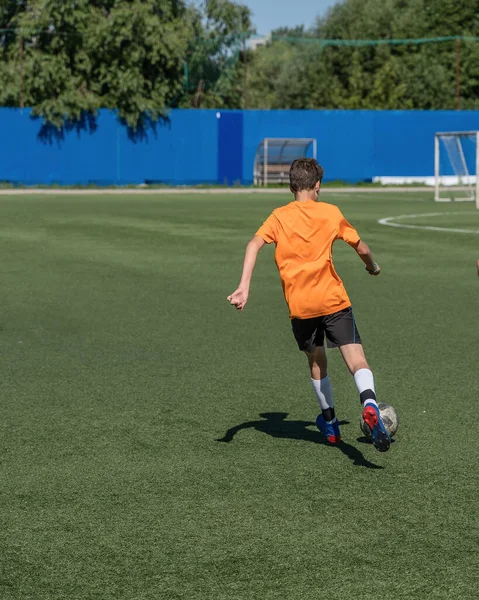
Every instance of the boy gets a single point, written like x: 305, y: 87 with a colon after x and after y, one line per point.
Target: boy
x: 304, y: 232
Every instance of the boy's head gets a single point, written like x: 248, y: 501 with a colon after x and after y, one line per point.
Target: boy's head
x: 305, y: 175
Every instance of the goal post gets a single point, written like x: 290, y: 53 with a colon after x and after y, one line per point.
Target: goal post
x: 274, y: 157
x: 456, y: 166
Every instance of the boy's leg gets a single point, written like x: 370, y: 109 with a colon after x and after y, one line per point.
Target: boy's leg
x: 326, y: 421
x: 341, y: 331
x: 309, y: 334
x: 318, y: 365
x: 353, y: 355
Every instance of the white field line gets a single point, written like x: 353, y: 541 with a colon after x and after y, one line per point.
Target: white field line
x: 186, y: 190
x: 390, y: 222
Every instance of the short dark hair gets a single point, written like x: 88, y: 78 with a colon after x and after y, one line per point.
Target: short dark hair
x: 304, y: 174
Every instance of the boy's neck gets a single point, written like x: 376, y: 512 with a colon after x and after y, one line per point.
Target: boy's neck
x: 306, y: 196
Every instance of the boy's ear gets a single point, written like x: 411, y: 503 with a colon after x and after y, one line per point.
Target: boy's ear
x: 317, y: 187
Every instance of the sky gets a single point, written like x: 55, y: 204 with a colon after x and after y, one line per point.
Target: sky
x: 270, y: 14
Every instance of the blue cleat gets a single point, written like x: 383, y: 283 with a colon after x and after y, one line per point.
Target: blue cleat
x: 329, y: 430
x: 379, y: 434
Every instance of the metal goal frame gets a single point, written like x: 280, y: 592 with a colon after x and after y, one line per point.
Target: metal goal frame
x: 471, y: 181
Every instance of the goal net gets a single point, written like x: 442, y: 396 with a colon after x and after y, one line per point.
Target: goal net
x: 275, y: 155
x: 457, y: 166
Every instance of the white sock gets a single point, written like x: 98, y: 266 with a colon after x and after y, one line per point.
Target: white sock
x: 324, y: 392
x: 364, y: 381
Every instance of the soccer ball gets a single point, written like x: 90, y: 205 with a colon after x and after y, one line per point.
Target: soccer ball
x: 389, y: 418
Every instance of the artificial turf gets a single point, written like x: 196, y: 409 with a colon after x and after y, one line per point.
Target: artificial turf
x: 123, y: 366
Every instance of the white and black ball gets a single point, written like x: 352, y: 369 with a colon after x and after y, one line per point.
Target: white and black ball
x: 389, y: 418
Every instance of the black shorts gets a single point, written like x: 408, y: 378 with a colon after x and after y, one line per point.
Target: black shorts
x: 340, y: 329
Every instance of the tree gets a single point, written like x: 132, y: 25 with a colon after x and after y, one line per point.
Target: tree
x: 69, y: 58
x: 140, y: 57
x: 409, y: 75
x: 290, y: 32
x: 218, y: 57
x: 311, y: 73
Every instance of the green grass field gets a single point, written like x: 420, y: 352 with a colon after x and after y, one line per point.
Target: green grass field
x: 122, y: 365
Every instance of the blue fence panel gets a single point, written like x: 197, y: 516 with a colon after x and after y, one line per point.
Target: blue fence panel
x: 195, y: 146
x: 71, y: 157
x: 404, y: 140
x: 359, y: 145
x: 345, y: 144
x: 183, y: 150
x: 230, y: 147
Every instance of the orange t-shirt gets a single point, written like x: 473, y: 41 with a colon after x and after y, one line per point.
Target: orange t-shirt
x: 304, y: 233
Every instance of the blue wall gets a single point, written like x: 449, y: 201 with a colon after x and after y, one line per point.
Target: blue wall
x: 207, y: 146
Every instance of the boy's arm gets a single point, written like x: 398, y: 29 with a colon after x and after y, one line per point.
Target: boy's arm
x: 347, y: 233
x: 366, y: 256
x: 239, y: 297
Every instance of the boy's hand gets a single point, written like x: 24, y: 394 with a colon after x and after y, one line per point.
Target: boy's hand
x: 238, y: 298
x: 365, y: 255
x: 375, y: 270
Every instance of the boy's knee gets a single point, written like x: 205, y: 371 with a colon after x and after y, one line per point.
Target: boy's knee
x: 353, y: 355
x: 358, y: 365
x: 318, y: 364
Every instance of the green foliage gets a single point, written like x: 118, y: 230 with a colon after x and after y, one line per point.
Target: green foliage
x: 69, y: 59
x: 141, y: 57
x: 65, y: 59
x: 217, y: 56
x: 311, y: 74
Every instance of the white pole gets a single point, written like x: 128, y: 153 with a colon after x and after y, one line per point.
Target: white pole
x: 477, y: 169
x: 436, y: 167
x: 265, y: 163
x: 315, y: 154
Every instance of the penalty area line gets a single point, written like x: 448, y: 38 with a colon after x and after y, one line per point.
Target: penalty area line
x: 391, y: 222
